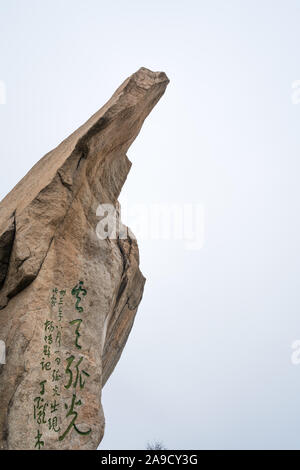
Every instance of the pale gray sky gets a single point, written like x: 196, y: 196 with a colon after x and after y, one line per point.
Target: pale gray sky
x: 208, y: 362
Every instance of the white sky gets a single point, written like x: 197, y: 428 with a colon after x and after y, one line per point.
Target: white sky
x: 208, y: 362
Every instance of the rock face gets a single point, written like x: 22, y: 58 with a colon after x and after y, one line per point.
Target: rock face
x: 68, y: 298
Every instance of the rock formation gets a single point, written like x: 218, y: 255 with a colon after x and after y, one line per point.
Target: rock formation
x: 68, y: 298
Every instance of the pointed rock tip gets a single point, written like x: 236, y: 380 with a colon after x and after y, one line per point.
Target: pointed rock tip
x: 146, y: 78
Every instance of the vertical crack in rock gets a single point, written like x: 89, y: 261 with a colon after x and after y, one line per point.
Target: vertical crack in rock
x: 68, y: 298
x: 6, y: 243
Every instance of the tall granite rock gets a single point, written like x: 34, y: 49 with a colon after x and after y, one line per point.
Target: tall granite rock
x: 68, y: 298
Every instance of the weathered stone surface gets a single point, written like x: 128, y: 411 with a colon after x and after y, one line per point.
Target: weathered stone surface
x: 48, y: 241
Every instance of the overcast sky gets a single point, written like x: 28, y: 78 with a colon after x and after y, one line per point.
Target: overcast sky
x: 208, y: 363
